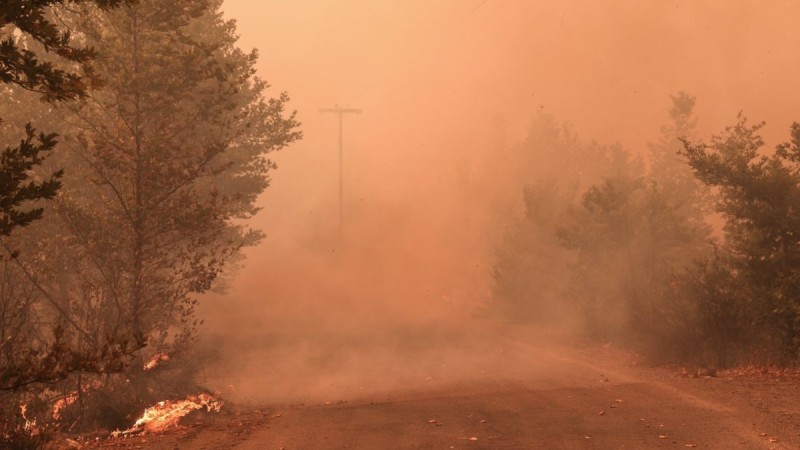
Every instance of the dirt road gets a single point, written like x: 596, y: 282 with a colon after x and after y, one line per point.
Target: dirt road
x: 591, y: 399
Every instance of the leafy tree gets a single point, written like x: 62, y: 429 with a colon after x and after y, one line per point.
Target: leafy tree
x: 668, y: 169
x: 708, y: 319
x: 16, y: 187
x: 629, y: 238
x: 529, y: 273
x: 555, y: 166
x: 632, y: 233
x: 759, y: 193
x: 38, y: 56
x: 25, y: 68
x: 162, y: 167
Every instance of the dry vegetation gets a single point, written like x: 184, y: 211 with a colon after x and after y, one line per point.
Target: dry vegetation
x: 137, y: 199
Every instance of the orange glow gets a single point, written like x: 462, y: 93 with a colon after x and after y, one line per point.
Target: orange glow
x: 62, y: 403
x: 30, y: 425
x: 157, y: 359
x: 435, y: 165
x: 166, y: 414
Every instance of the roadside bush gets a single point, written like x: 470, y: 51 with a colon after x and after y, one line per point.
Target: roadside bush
x: 759, y: 197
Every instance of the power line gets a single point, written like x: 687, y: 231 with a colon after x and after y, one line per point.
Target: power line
x: 474, y: 10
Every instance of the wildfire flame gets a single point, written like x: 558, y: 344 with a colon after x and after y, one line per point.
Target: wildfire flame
x: 165, y: 414
x: 30, y: 425
x: 70, y: 399
x: 157, y: 359
x: 62, y: 403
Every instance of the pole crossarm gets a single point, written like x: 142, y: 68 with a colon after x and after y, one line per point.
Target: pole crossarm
x: 338, y: 110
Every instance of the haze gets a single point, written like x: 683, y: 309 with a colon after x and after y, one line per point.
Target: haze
x: 421, y: 195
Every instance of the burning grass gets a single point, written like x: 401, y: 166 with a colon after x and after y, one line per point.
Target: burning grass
x: 63, y: 403
x: 166, y: 414
x: 157, y: 359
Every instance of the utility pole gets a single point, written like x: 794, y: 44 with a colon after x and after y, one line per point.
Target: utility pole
x: 340, y: 112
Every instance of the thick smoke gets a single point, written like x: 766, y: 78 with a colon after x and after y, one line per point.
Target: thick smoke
x: 431, y: 179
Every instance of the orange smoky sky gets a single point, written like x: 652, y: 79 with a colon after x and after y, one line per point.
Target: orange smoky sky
x: 430, y: 77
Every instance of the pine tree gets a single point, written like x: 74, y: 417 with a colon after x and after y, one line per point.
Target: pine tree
x: 166, y: 161
x: 759, y: 193
x: 162, y: 168
x: 35, y: 71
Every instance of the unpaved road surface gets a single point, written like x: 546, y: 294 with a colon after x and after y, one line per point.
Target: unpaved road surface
x: 599, y: 398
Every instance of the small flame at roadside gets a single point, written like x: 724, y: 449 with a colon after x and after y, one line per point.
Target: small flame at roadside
x: 157, y: 359
x: 62, y: 403
x: 165, y: 414
x: 30, y: 425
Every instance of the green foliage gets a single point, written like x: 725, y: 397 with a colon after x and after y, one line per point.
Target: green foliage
x: 16, y: 184
x: 759, y: 198
x: 707, y: 318
x: 602, y: 242
x: 669, y: 169
x: 161, y: 163
x: 25, y: 68
x: 162, y: 166
x: 33, y: 57
x: 629, y: 238
x: 530, y: 274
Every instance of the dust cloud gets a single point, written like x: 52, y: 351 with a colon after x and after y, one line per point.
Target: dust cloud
x: 430, y: 181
